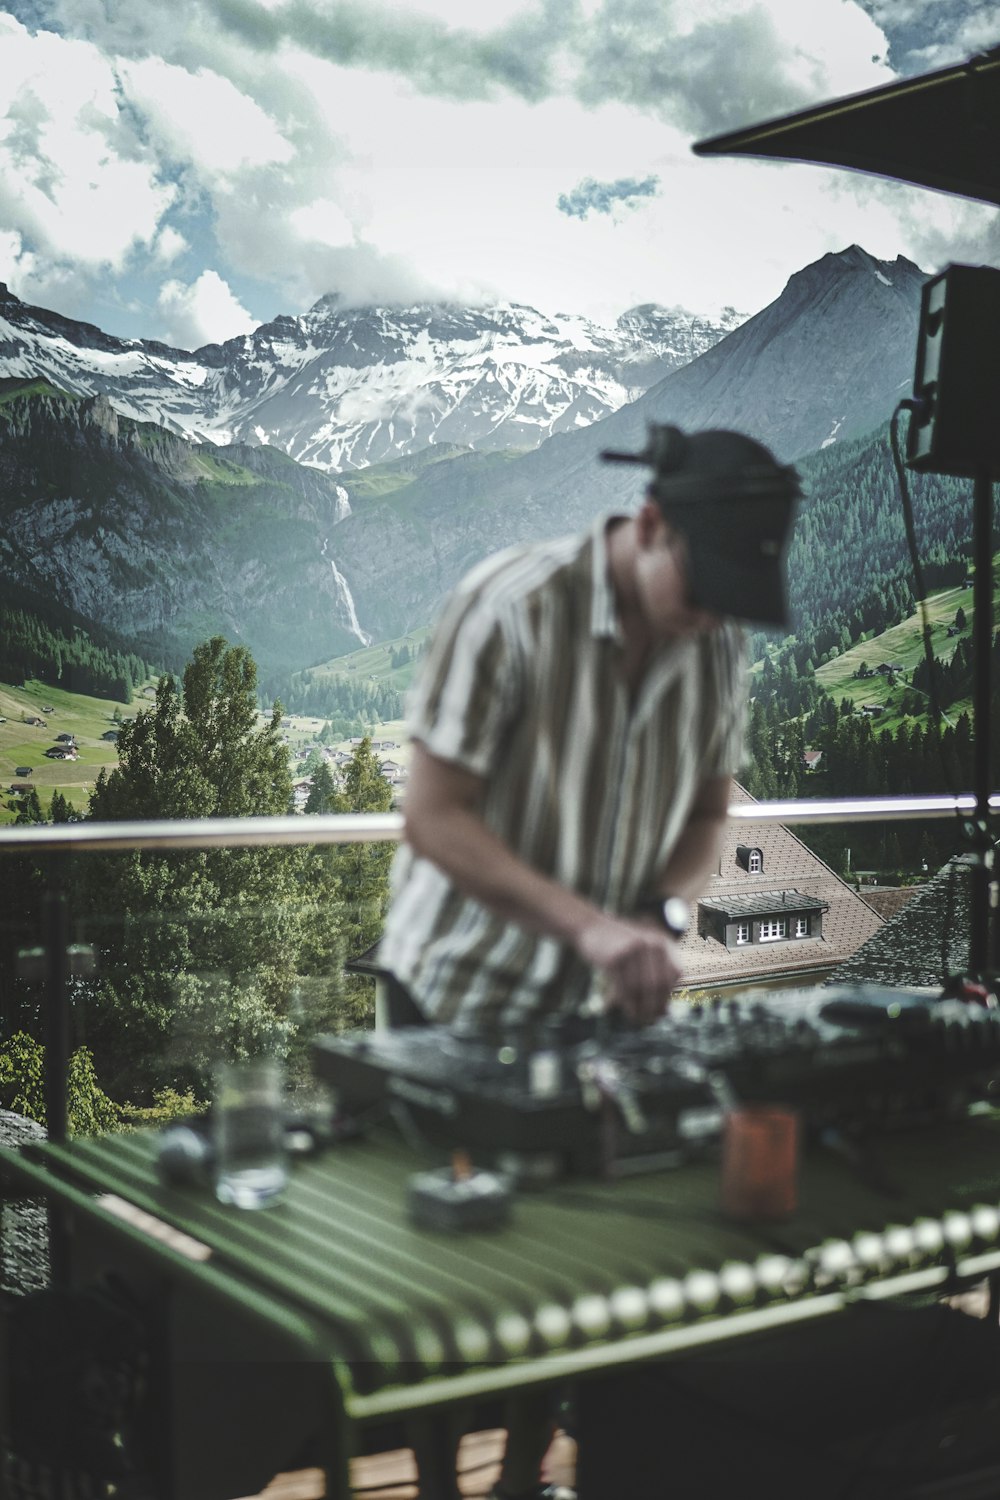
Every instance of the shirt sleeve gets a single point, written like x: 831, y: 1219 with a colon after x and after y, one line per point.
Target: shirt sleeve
x: 468, y: 686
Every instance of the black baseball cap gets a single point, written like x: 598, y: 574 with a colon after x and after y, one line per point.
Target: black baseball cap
x: 735, y: 506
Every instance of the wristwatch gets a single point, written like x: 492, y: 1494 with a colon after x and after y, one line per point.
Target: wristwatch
x: 672, y: 912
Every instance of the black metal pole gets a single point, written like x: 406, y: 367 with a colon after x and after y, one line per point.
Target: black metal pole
x: 55, y: 919
x: 55, y: 928
x: 982, y: 952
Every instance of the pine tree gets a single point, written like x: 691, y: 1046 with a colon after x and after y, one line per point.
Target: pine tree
x: 322, y: 791
x: 61, y: 810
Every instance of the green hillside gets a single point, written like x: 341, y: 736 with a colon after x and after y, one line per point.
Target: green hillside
x: 23, y: 744
x: 88, y: 719
x: 385, y: 478
x: 381, y: 662
x: 903, y: 645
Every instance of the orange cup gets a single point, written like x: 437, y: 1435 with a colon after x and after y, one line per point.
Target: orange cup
x: 760, y: 1149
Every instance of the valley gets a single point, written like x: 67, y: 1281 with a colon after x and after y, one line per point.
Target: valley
x: 90, y: 720
x: 129, y: 501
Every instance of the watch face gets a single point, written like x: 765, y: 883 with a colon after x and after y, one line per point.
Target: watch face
x: 676, y: 915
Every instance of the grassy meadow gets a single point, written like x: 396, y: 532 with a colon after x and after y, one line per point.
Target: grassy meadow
x: 903, y: 644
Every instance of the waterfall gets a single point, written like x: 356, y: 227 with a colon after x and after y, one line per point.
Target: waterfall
x: 344, y: 591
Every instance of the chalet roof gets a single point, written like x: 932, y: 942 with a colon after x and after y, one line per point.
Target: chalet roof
x: 887, y: 900
x: 925, y: 941
x: 787, y: 865
x: 761, y: 903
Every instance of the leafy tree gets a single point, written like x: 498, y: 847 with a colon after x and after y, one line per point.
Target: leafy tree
x: 893, y: 852
x: 22, y: 1086
x: 198, y: 950
x: 351, y: 880
x: 30, y: 809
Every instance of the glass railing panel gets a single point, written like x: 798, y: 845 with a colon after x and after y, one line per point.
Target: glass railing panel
x: 187, y: 942
x: 176, y: 959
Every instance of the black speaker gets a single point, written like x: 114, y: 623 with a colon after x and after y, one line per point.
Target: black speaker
x: 955, y: 429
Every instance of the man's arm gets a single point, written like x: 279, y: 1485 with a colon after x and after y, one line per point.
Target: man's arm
x: 444, y: 823
x: 695, y: 855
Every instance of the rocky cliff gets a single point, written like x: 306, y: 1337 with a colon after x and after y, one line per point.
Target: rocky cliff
x: 165, y: 541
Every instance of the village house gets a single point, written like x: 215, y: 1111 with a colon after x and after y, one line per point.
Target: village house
x: 771, y: 908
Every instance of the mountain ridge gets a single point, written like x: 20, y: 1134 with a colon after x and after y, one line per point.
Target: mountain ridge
x: 244, y: 542
x: 340, y: 388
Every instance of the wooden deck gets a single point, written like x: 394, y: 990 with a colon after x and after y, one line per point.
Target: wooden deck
x: 393, y: 1476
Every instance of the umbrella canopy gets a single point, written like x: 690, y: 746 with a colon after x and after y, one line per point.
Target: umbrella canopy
x: 941, y: 130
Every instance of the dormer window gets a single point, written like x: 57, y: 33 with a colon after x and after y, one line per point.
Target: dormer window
x: 750, y: 859
x: 747, y: 918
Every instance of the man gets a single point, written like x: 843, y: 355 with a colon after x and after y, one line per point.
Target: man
x: 575, y: 727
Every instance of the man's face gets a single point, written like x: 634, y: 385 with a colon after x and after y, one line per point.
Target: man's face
x: 662, y: 581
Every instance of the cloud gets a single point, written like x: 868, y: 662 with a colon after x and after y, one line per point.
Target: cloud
x: 402, y: 150
x: 203, y: 312
x: 954, y: 231
x: 168, y: 245
x: 323, y: 222
x: 603, y: 196
x: 706, y: 66
x: 70, y: 181
x: 926, y: 34
x: 202, y: 118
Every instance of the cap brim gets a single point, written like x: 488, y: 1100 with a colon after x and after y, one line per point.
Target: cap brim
x: 730, y: 587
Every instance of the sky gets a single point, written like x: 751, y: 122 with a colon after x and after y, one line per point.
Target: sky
x: 186, y: 172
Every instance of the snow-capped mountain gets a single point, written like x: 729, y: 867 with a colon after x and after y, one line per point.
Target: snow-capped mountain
x: 341, y: 388
x: 825, y: 362
x: 167, y: 541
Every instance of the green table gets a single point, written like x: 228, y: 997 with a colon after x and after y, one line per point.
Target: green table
x: 362, y: 1318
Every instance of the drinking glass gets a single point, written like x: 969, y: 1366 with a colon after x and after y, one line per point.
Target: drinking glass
x: 249, y: 1125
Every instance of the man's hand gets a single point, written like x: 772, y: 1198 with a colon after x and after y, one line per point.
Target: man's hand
x: 639, y: 962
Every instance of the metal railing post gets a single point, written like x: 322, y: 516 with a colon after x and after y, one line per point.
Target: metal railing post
x: 55, y: 922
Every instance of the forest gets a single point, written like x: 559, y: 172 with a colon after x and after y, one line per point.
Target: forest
x: 198, y: 954
x: 356, y: 702
x: 31, y: 647
x: 848, y: 565
x: 790, y: 714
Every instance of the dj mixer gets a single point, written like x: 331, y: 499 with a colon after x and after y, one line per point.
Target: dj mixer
x: 592, y: 1096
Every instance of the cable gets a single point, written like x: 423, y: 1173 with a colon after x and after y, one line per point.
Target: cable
x: 921, y: 589
x: 918, y: 572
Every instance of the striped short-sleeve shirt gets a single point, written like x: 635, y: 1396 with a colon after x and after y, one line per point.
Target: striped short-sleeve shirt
x: 584, y: 780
